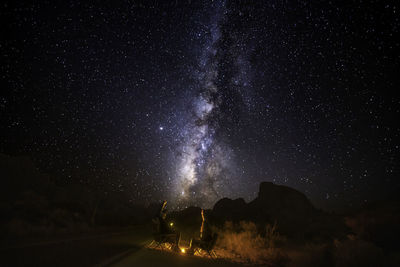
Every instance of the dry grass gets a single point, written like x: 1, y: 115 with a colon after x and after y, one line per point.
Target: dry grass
x: 243, y: 243
x: 247, y: 244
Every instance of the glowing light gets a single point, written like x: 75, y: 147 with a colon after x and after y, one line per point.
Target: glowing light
x: 183, y: 250
x: 171, y: 224
x: 202, y: 223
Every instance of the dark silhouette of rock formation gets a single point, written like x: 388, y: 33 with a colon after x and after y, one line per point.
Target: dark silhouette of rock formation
x: 290, y: 209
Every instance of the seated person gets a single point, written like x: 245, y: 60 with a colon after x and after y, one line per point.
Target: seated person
x: 206, y: 235
x: 169, y: 235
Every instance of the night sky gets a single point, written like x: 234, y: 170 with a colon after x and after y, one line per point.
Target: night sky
x: 192, y: 101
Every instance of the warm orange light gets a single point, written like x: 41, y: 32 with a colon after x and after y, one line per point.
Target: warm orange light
x: 171, y: 224
x: 202, y: 223
x: 182, y: 250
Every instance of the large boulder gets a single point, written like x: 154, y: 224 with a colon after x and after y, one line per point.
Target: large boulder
x: 287, y: 207
x: 228, y: 209
x: 278, y: 199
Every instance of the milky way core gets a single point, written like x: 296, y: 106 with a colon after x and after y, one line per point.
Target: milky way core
x: 204, y: 161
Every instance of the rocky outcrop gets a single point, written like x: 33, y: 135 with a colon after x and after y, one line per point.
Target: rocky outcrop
x: 289, y: 208
x: 229, y: 209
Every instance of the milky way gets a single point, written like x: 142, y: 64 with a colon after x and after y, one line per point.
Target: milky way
x: 204, y: 161
x: 191, y: 101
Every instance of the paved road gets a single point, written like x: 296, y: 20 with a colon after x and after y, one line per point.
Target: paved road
x: 85, y: 250
x: 150, y: 258
x: 127, y: 248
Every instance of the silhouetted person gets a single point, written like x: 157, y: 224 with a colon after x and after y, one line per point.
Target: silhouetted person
x: 206, y: 235
x: 165, y: 229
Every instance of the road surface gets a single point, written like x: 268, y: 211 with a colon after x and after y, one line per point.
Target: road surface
x: 123, y: 248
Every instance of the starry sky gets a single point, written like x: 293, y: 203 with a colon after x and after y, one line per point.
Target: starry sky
x: 192, y: 101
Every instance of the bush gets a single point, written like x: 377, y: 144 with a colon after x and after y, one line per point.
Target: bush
x: 358, y: 253
x: 18, y: 227
x: 243, y: 243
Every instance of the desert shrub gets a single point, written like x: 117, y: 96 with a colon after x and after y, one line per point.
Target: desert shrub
x: 243, y: 243
x: 310, y: 254
x: 272, y: 236
x: 61, y: 217
x: 18, y: 227
x: 357, y: 253
x: 380, y: 226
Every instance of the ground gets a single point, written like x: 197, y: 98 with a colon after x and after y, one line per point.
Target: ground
x: 119, y: 248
